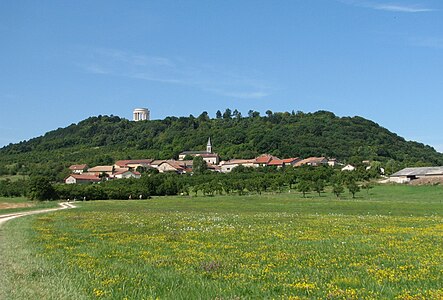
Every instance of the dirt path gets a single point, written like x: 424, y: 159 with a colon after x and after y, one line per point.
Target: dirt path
x: 7, y: 217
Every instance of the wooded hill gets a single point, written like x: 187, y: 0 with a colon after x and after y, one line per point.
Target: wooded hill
x: 104, y: 139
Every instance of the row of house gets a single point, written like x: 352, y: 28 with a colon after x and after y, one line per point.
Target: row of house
x: 84, y: 174
x: 128, y: 168
x: 184, y: 164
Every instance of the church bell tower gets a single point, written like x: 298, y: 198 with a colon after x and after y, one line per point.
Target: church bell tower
x: 209, y: 146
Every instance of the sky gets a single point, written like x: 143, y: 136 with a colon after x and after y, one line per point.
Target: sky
x: 64, y: 61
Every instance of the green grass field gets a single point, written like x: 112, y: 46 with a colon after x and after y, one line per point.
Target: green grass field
x: 387, y: 244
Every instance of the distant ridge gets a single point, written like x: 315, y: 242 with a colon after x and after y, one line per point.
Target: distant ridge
x: 104, y: 139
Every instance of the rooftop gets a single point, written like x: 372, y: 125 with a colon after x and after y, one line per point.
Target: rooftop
x: 420, y: 171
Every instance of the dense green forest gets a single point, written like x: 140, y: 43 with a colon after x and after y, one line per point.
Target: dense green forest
x: 104, y: 139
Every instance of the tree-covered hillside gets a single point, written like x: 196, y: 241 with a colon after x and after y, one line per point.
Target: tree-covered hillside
x: 104, y: 139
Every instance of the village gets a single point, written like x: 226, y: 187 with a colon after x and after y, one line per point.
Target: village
x: 131, y: 168
x: 121, y: 169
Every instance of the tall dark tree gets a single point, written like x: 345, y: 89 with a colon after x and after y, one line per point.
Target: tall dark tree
x: 199, y: 165
x: 218, y: 114
x: 227, y: 114
x: 319, y: 186
x: 353, y: 188
x: 40, y: 188
x: 337, y: 189
x: 304, y: 187
x: 203, y: 116
x: 236, y: 114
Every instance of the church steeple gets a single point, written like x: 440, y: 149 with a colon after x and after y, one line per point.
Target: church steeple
x: 209, y: 146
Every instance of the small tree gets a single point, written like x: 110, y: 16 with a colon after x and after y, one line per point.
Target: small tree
x: 353, y: 188
x: 319, y: 186
x: 199, y: 165
x: 367, y: 186
x: 304, y: 187
x: 337, y: 189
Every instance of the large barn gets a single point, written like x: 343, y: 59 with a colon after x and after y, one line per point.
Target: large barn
x: 429, y: 174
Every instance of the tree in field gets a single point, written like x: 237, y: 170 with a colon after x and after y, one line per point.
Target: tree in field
x: 218, y: 187
x: 269, y: 113
x: 304, y: 187
x: 337, y: 189
x: 367, y: 186
x: 227, y: 186
x: 319, y: 186
x: 353, y: 188
x: 199, y: 165
x: 41, y: 189
x: 208, y: 189
x: 218, y: 114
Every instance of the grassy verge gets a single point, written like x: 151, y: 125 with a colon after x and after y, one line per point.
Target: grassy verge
x: 19, y: 204
x: 25, y: 274
x: 381, y: 245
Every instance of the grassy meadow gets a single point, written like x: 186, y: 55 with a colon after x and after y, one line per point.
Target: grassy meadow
x: 385, y: 244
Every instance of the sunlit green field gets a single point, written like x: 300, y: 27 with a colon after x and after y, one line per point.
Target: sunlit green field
x: 387, y: 244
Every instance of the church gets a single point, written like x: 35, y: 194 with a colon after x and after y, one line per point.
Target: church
x: 208, y: 156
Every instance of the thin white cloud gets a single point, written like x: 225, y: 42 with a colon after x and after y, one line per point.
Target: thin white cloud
x: 401, y: 8
x: 211, y: 78
x: 389, y: 6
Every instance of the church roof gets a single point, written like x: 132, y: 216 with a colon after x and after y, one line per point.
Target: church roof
x: 194, y: 152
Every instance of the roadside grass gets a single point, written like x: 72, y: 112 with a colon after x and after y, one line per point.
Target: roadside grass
x: 25, y: 274
x: 385, y: 244
x: 19, y: 204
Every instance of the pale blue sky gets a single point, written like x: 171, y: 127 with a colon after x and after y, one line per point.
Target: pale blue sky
x: 63, y: 61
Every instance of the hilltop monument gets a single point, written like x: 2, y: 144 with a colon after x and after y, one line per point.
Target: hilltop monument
x: 141, y: 114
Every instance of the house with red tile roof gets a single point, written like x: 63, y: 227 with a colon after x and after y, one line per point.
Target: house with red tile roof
x: 127, y: 174
x: 82, y: 178
x: 312, y: 161
x: 97, y: 170
x: 290, y: 161
x: 264, y: 159
x: 133, y: 164
x: 227, y: 166
x: 279, y: 163
x: 171, y: 166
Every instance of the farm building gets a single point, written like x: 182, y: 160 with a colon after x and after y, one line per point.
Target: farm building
x: 422, y: 173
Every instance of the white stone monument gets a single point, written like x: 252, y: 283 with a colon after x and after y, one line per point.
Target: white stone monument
x: 141, y: 114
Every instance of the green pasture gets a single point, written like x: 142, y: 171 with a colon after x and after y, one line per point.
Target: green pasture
x: 385, y: 244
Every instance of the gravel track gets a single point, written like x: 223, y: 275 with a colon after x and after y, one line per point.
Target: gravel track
x: 6, y: 217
